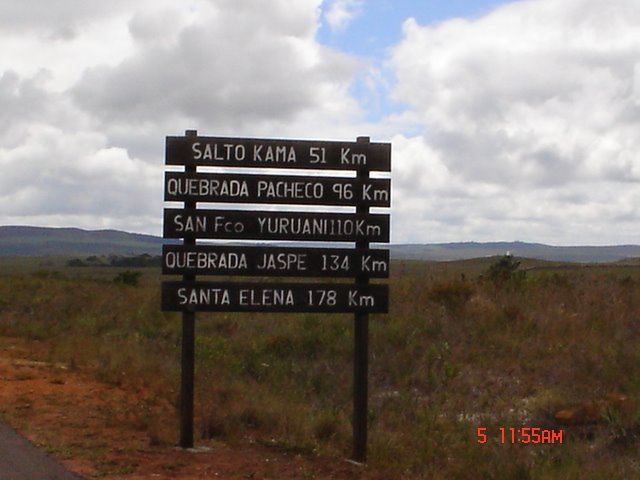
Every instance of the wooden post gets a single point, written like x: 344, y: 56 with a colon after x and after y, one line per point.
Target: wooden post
x: 361, y: 350
x: 188, y: 348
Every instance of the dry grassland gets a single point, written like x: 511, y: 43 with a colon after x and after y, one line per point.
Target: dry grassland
x: 466, y: 345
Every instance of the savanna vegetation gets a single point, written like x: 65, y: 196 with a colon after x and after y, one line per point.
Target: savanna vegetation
x: 491, y: 343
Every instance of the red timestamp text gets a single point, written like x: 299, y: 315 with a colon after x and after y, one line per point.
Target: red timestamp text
x: 522, y: 435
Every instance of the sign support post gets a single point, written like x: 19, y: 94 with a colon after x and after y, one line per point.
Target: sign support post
x: 188, y: 345
x: 361, y: 350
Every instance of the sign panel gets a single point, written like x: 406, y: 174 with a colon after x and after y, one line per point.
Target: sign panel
x: 275, y: 297
x: 273, y: 261
x: 267, y: 225
x: 300, y: 190
x: 271, y: 153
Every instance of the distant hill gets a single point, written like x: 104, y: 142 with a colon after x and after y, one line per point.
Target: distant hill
x: 467, y: 250
x: 40, y: 241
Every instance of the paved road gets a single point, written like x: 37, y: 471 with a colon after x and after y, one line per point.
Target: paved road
x: 21, y: 460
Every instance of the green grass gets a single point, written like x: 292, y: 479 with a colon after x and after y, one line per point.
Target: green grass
x: 456, y: 352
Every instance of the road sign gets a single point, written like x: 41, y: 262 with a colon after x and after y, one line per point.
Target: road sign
x: 316, y: 189
x: 274, y: 261
x: 276, y: 189
x: 268, y: 225
x: 273, y: 297
x: 272, y: 153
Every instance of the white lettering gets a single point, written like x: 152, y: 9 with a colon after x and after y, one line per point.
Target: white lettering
x: 315, y: 227
x: 283, y: 261
x: 290, y: 190
x: 197, y: 223
x: 207, y: 187
x: 219, y: 152
x: 203, y: 296
x: 222, y: 225
x: 205, y: 260
x: 197, y: 153
x: 265, y: 297
x: 274, y: 154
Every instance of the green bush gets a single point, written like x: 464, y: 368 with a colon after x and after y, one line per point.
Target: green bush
x: 505, y: 271
x: 128, y: 277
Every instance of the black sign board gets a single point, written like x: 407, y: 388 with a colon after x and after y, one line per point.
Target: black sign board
x: 273, y: 297
x: 270, y: 261
x: 272, y: 153
x: 276, y: 189
x: 267, y: 225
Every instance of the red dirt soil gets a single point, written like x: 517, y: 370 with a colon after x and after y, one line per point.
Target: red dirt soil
x: 91, y: 428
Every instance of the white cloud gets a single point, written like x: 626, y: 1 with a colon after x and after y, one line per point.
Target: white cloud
x: 234, y: 66
x: 341, y: 13
x: 54, y: 172
x: 89, y: 93
x: 32, y: 14
x: 536, y: 102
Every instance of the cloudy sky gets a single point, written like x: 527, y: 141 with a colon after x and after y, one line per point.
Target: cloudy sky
x: 509, y: 120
